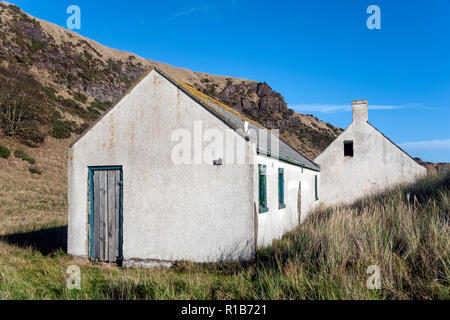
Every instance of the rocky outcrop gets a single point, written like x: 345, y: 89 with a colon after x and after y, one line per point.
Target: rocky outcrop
x: 262, y: 104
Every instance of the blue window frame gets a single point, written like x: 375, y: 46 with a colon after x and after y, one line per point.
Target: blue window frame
x: 316, y: 188
x: 281, y: 203
x: 262, y: 188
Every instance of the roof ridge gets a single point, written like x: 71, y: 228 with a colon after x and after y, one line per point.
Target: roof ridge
x: 200, y: 94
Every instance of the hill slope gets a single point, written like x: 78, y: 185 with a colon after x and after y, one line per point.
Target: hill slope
x: 75, y: 79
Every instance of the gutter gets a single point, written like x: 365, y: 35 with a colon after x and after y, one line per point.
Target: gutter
x: 287, y: 159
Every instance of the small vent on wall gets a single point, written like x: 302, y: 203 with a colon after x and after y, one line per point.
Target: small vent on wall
x: 218, y: 162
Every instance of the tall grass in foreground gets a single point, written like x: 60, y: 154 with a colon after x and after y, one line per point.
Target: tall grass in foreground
x: 404, y: 231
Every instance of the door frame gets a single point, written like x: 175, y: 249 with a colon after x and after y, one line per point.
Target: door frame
x: 91, y: 208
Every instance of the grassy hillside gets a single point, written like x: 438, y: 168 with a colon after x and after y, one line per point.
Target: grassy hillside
x: 404, y: 231
x: 67, y: 81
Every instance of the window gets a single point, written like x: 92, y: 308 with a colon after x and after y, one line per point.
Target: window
x: 281, y: 204
x: 262, y: 189
x: 348, y: 148
x: 316, y: 188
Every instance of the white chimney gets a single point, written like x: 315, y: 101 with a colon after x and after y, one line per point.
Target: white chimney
x: 360, y: 110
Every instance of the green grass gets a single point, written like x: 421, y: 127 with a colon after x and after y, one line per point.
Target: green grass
x: 4, y: 152
x: 404, y: 231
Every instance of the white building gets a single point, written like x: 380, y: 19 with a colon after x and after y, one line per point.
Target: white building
x: 361, y: 161
x: 170, y: 174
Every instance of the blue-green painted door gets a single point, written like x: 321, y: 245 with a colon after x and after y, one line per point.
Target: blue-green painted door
x: 105, y: 219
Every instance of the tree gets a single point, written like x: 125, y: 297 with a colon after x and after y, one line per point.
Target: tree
x: 21, y: 102
x: 13, y: 108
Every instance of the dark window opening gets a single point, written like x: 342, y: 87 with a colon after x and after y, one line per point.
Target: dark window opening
x: 348, y: 148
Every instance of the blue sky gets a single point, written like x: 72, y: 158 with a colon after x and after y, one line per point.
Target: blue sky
x: 319, y: 55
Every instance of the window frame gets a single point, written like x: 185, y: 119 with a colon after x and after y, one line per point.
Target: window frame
x: 262, y: 188
x: 316, y: 188
x: 281, y: 189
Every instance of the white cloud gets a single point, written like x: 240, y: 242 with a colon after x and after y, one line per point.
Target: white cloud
x: 189, y: 11
x: 330, y: 108
x: 427, y: 145
x: 207, y: 7
x: 333, y: 108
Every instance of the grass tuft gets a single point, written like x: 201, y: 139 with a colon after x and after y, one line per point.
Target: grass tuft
x: 35, y: 170
x: 4, y: 152
x: 20, y: 154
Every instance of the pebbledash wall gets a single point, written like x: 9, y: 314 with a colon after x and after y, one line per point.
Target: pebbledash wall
x: 377, y: 163
x: 197, y: 212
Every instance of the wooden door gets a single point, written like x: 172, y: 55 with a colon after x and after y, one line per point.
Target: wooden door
x: 299, y: 201
x: 106, y: 212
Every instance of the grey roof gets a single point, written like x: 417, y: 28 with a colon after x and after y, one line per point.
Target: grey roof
x: 267, y: 143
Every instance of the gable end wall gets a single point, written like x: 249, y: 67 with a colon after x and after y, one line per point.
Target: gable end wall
x: 197, y: 212
x: 377, y: 164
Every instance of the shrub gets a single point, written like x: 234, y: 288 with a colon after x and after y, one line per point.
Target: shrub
x: 37, y: 45
x: 20, y: 154
x: 80, y: 97
x: 35, y: 170
x: 93, y: 112
x: 100, y: 105
x: 4, y: 152
x: 56, y: 115
x: 61, y: 129
x: 50, y: 93
x: 69, y: 103
x: 32, y: 134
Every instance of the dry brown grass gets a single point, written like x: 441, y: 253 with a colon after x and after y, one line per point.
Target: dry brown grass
x: 28, y: 200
